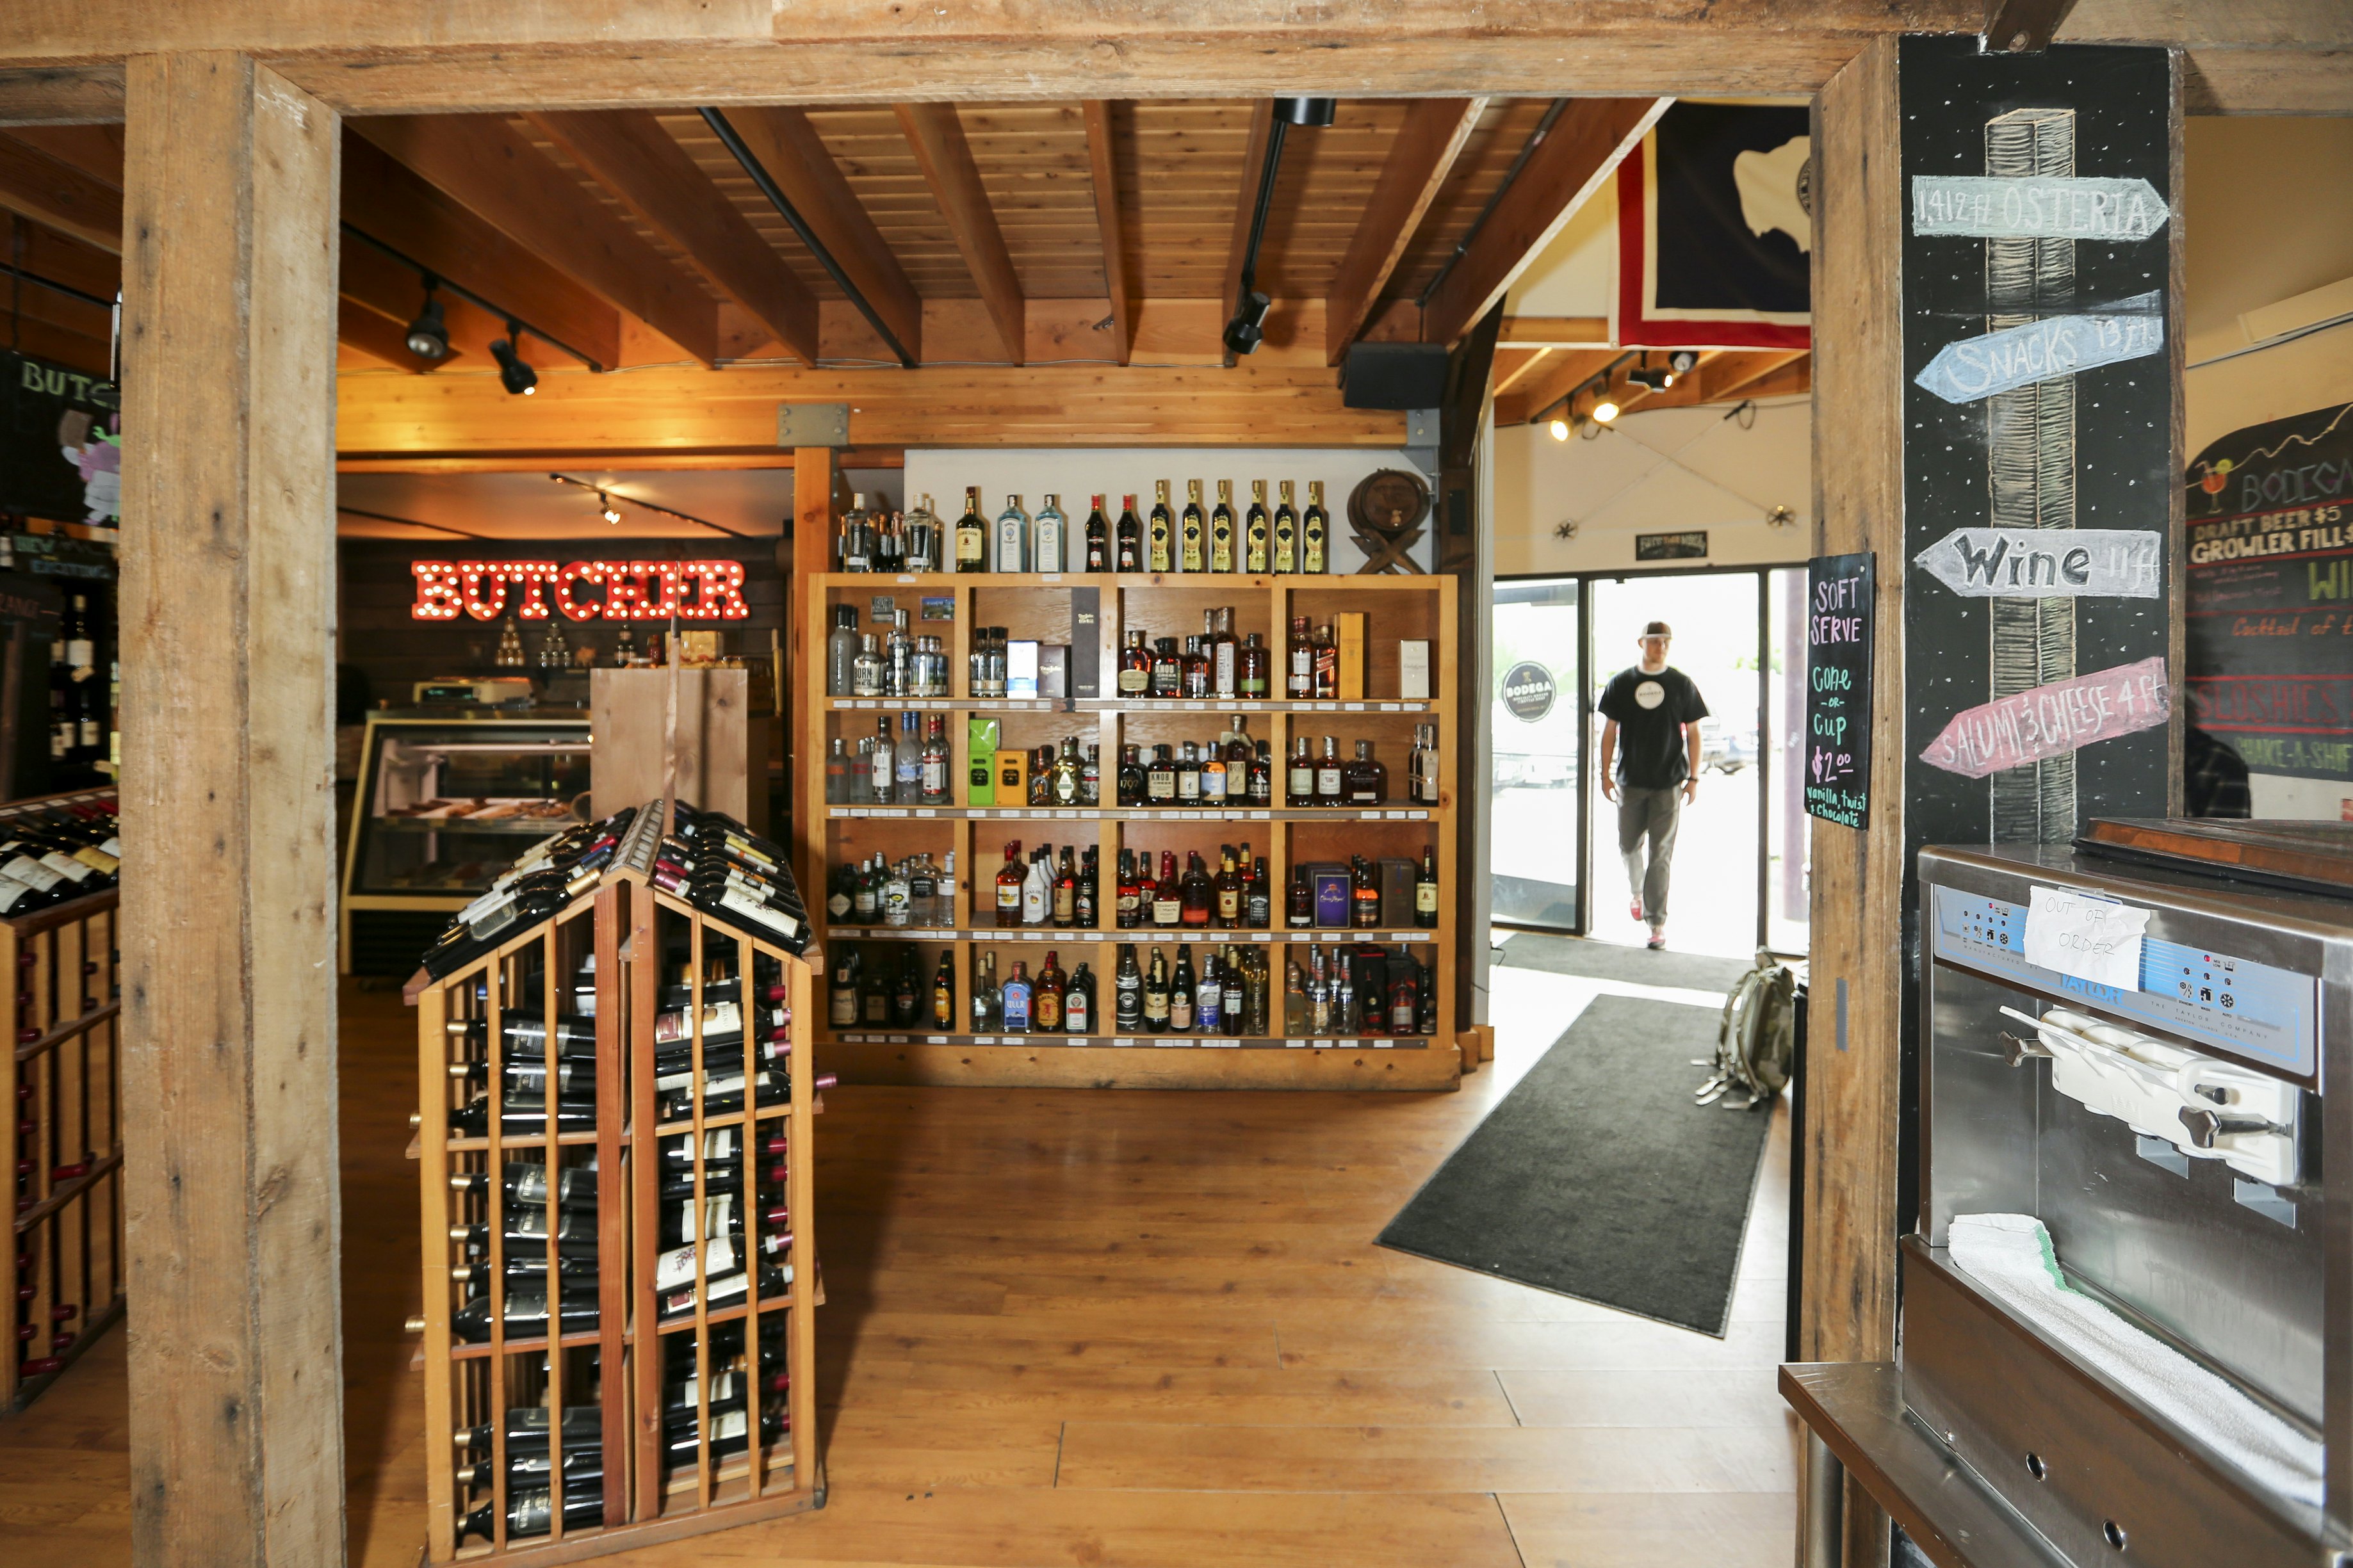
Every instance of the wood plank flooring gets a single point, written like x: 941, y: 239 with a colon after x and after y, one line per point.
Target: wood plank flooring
x: 1123, y: 1330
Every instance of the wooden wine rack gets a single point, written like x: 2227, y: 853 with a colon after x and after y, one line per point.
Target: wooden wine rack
x: 1040, y: 606
x: 627, y: 924
x: 63, y: 1077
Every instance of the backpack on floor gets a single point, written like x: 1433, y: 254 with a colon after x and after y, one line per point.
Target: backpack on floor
x: 1757, y: 1039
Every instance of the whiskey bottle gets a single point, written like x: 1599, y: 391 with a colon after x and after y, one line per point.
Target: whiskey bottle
x: 1221, y: 529
x: 1425, y: 890
x: 1254, y: 531
x: 1046, y: 1004
x: 1261, y: 776
x: 1229, y: 889
x: 1190, y: 556
x: 1160, y: 779
x: 1127, y: 992
x: 1196, y: 670
x: 1258, y: 895
x: 1098, y: 539
x: 1363, y: 895
x: 1156, y: 995
x: 1299, y: 685
x: 1168, y: 894
x: 1062, y: 784
x: 1216, y: 777
x: 1252, y: 663
x: 1189, y: 775
x: 1012, y: 538
x: 971, y: 534
x: 987, y: 998
x: 1167, y: 668
x: 1160, y: 556
x: 1364, y: 781
x: 1285, y: 559
x: 1294, y: 998
x: 1182, y: 991
x: 1326, y: 665
x: 1009, y: 887
x: 1128, y: 789
x: 1051, y: 534
x: 1197, y: 894
x: 1085, y: 898
x: 1299, y: 779
x: 1329, y: 775
x: 1066, y: 891
x: 1225, y: 654
x: 1128, y: 554
x: 1313, y: 528
x: 944, y: 993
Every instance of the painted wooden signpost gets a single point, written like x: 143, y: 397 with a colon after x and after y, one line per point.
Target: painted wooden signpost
x: 2031, y: 562
x: 2052, y: 720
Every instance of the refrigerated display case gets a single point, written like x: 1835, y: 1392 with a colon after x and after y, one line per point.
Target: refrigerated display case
x: 443, y: 802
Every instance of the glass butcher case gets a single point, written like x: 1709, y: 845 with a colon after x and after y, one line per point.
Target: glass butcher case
x: 441, y: 805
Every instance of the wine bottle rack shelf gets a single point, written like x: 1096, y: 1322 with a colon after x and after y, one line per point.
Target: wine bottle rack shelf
x: 690, y: 1420
x: 1100, y: 609
x: 64, y: 1136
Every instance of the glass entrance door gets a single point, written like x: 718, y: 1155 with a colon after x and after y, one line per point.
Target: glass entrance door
x: 1535, y: 754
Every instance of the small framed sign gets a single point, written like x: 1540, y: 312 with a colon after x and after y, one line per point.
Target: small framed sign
x: 1692, y: 546
x: 1840, y: 589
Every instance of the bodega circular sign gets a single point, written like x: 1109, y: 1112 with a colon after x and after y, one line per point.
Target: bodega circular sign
x: 1529, y: 690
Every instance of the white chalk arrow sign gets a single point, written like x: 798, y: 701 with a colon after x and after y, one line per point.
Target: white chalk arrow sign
x: 2046, y: 207
x: 2055, y: 346
x: 2045, y: 563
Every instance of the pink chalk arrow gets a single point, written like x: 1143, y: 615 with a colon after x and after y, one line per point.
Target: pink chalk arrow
x: 2053, y: 720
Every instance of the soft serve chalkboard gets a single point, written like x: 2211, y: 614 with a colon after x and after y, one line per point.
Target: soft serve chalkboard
x: 1838, y: 689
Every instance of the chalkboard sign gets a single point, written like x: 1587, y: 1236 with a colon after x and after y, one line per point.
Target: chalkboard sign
x: 1839, y: 589
x: 60, y: 443
x: 2270, y: 520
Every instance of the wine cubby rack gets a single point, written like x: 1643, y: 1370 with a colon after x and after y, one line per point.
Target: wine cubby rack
x: 64, y: 1139
x: 618, y: 981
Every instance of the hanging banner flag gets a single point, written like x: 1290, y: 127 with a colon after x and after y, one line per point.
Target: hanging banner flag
x: 2045, y: 563
x: 60, y: 443
x: 2050, y: 206
x: 2041, y: 351
x: 1714, y: 227
x: 2050, y: 721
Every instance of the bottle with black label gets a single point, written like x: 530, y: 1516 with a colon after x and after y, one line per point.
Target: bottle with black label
x: 1127, y: 991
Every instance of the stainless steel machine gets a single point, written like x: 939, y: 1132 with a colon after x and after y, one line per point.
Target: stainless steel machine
x: 2184, y: 1141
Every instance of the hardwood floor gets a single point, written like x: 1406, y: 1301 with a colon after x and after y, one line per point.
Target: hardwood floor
x: 1126, y: 1330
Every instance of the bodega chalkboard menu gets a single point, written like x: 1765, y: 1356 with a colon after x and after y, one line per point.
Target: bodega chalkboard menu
x: 1838, y: 689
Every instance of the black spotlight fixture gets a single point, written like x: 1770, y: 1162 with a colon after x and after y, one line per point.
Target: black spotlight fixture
x: 1682, y: 361
x: 1248, y: 328
x: 429, y: 336
x: 1656, y: 380
x: 513, y: 374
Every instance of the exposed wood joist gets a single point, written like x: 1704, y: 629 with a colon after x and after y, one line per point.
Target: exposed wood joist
x: 1515, y: 365
x: 1104, y: 172
x: 35, y: 185
x: 2017, y: 26
x: 485, y: 166
x: 1420, y: 160
x: 50, y: 254
x: 1556, y: 332
x: 47, y: 339
x: 530, y: 460
x: 1581, y: 150
x: 1560, y: 375
x: 632, y: 156
x: 95, y: 149
x: 935, y: 133
x: 1739, y: 374
x: 383, y: 198
x: 797, y: 159
x: 1261, y: 129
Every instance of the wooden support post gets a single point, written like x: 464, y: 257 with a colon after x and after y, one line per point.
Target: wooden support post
x: 815, y: 473
x: 228, y: 996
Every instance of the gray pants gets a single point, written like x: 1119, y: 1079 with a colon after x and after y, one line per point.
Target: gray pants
x: 1652, y: 814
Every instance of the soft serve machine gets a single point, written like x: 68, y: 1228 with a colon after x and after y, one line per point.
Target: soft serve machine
x: 2161, y: 1372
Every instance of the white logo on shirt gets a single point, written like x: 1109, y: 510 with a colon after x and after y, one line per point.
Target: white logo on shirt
x: 1650, y: 694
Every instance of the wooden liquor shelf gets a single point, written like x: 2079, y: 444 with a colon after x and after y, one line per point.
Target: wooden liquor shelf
x: 1047, y: 607
x: 605, y: 961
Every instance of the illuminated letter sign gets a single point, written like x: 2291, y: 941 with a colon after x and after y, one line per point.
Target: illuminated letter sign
x: 630, y: 590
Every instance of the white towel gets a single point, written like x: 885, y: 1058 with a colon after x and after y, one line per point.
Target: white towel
x: 2010, y: 1255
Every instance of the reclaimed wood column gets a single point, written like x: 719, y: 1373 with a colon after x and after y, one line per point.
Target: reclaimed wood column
x: 228, y: 975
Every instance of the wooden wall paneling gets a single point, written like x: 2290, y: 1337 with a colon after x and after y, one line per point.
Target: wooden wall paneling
x: 1035, y: 168
x: 482, y: 163
x: 937, y: 133
x: 1582, y: 148
x: 722, y: 746
x: 1103, y: 166
x: 51, y: 192
x: 1432, y: 136
x: 1330, y: 175
x: 632, y: 156
x: 236, y: 1449
x: 1251, y: 172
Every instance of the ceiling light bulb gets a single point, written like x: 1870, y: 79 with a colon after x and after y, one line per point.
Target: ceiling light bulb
x: 1559, y: 428
x: 1670, y: 381
x: 610, y: 515
x: 1604, y: 411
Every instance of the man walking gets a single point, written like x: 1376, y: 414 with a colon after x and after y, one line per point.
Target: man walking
x: 1658, y: 709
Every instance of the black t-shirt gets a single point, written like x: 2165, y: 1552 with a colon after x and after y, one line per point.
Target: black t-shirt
x: 1650, y: 711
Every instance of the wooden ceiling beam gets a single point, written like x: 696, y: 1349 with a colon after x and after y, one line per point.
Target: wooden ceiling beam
x: 1261, y: 129
x: 1513, y: 366
x: 1792, y: 380
x: 2018, y: 26
x: 1422, y: 155
x: 797, y: 159
x: 631, y: 155
x: 1734, y: 374
x: 61, y: 257
x: 484, y: 164
x: 35, y: 185
x: 1556, y: 332
x: 62, y: 345
x: 1104, y: 171
x: 1562, y: 373
x: 935, y: 133
x: 1582, y: 148
x: 95, y: 149
x: 383, y: 198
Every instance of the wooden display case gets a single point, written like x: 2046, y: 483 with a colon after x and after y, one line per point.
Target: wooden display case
x: 604, y: 962
x: 1042, y: 606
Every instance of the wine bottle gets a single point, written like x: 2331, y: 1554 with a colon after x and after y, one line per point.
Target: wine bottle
x: 529, y: 1514
x: 525, y: 1182
x: 523, y: 1118
x: 527, y: 1429
x: 526, y: 1312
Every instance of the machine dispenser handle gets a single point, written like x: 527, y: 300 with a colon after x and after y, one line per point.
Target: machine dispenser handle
x: 2018, y: 1052
x: 2205, y: 1126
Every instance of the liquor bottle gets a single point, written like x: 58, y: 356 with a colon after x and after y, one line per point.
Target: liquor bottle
x: 1254, y: 531
x: 1124, y: 907
x: 1091, y: 776
x: 1015, y: 1000
x: 1425, y: 890
x: 1098, y: 540
x: 1285, y: 559
x: 1190, y: 528
x: 1134, y: 667
x: 1299, y: 910
x: 1329, y: 774
x: 1209, y: 993
x: 866, y: 666
x: 1079, y: 1002
x: 1156, y: 995
x: 854, y: 551
x: 1085, y: 896
x: 1364, y: 894
x: 1128, y: 548
x: 1182, y: 989
x: 1129, y: 789
x: 1147, y: 889
x: 1167, y: 668
x: 886, y: 763
x: 988, y: 999
x: 1216, y: 777
x: 1197, y: 894
x: 1221, y: 529
x: 1425, y: 1019
x: 1009, y: 887
x: 908, y: 755
x: 1235, y: 970
x: 1294, y: 998
x: 1405, y: 998
x: 1160, y: 779
x: 1196, y: 668
x: 1168, y: 894
x: 874, y: 997
x: 1225, y: 654
x: 1313, y: 528
x: 1051, y: 535
x: 1062, y: 781
x: 1257, y: 894
x: 1326, y: 665
x: 1127, y: 992
x: 944, y: 993
x: 904, y: 991
x: 842, y: 997
x: 1364, y: 781
x: 1046, y: 1001
x: 1251, y: 668
x: 1189, y: 775
x: 840, y: 649
x: 1066, y: 891
x: 1261, y: 776
x: 1230, y: 886
x: 1319, y: 992
x: 933, y: 763
x: 1300, y: 683
x: 1012, y: 551
x: 923, y: 535
x: 1161, y: 554
x: 1037, y: 889
x: 971, y: 534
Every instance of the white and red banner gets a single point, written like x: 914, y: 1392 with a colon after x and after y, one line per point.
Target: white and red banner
x: 2053, y: 720
x: 1714, y: 229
